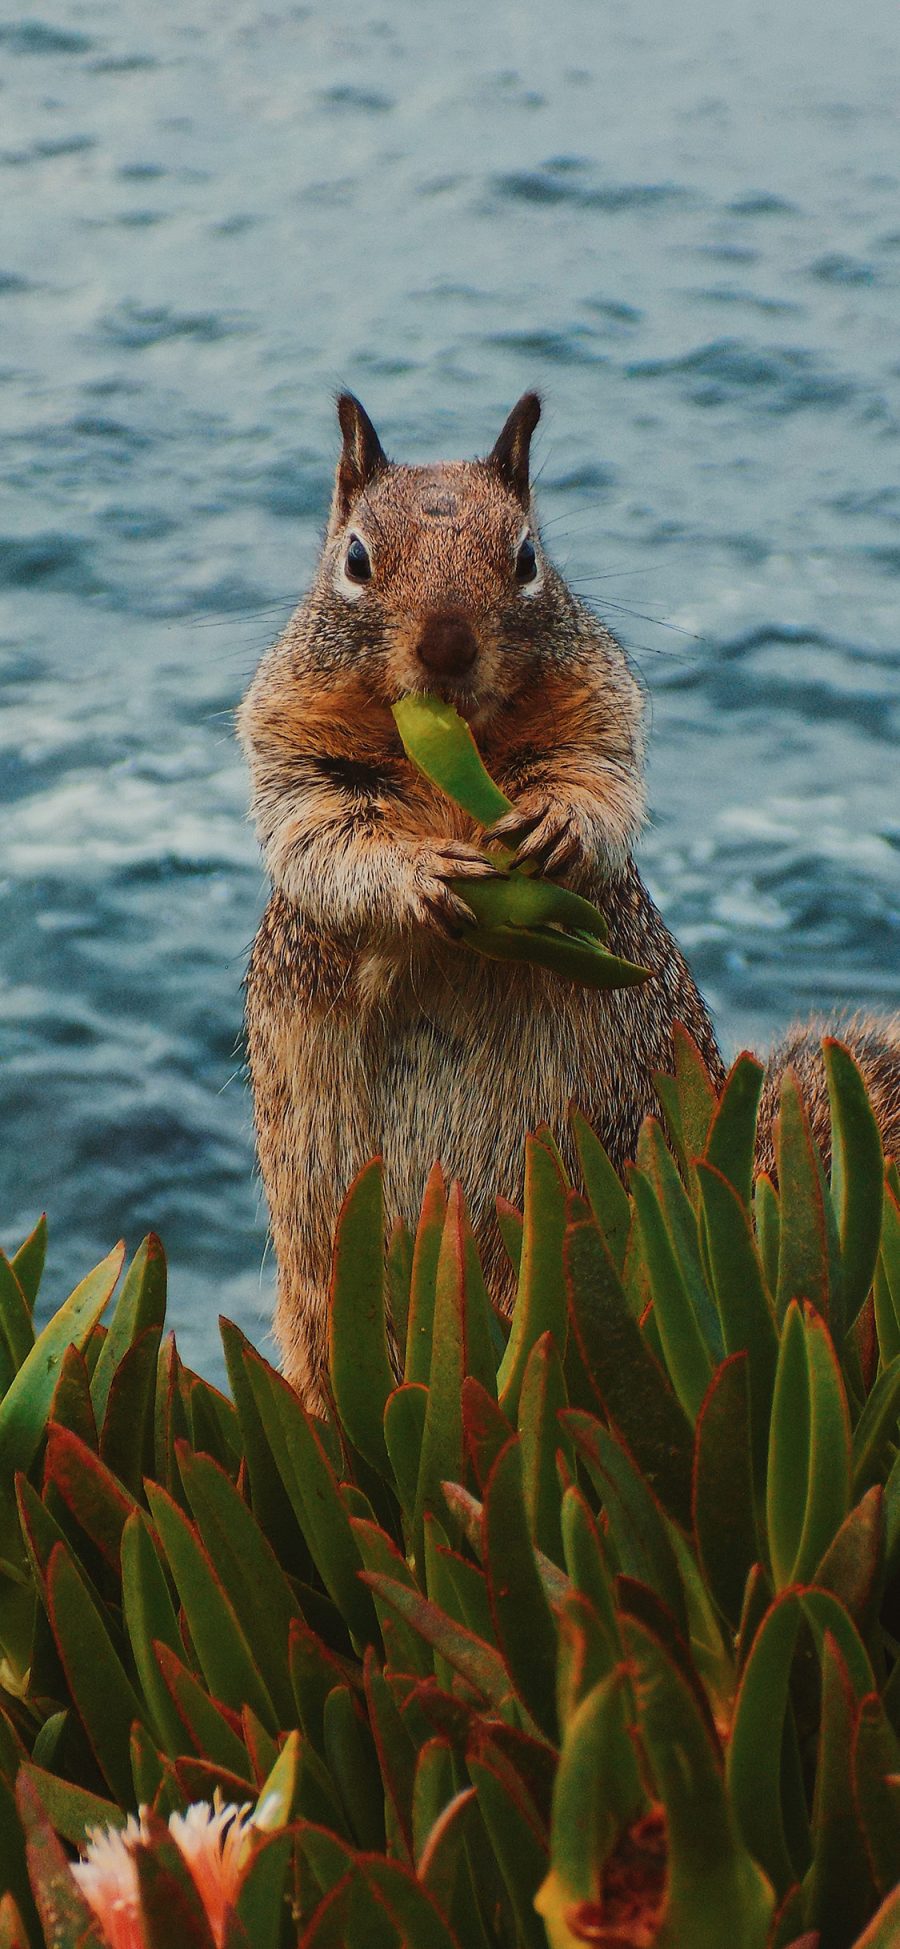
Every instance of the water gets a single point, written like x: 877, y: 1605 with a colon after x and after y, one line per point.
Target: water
x: 683, y: 225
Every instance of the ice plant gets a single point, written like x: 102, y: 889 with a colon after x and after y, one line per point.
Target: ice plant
x: 585, y: 1631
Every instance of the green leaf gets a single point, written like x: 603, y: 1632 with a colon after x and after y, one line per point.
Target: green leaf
x: 857, y: 1174
x: 268, y: 1496
x: 404, y: 1649
x: 724, y: 1510
x: 731, y: 1142
x: 409, y: 1905
x: 876, y: 1789
x: 681, y: 1221
x: 433, y: 1790
x: 767, y: 1220
x: 149, y: 1616
x: 71, y: 1809
x: 457, y: 1586
x: 141, y: 1304
x: 154, y: 1779
x: 398, y: 1270
x: 426, y: 1252
x: 716, y: 1893
x: 520, y: 1851
x: 597, y: 1792
x: 225, y: 1657
x: 353, y: 1765
x: 71, y: 1404
x: 66, y: 1918
x: 264, y: 1892
x: 126, y: 1438
x: 744, y: 1305
x: 754, y: 1755
x: 540, y: 1305
x: 440, y: 743
x: 511, y: 1225
x: 485, y: 1428
x: 16, y: 1329
x: 696, y: 1095
x: 28, y: 1262
x: 170, y: 1422
x: 809, y: 1448
x: 629, y: 1385
x: 585, y: 1559
x: 526, y: 1632
x: 396, y: 1752
x: 853, y: 1564
x: 542, y: 1398
x: 803, y: 1246
x: 884, y: 1929
x: 13, y: 1871
x: 840, y: 1890
x: 878, y: 1425
x: 518, y: 900
x: 887, y: 1285
x: 100, y: 1506
x: 248, y: 1568
x: 634, y: 1517
x: 686, y: 1353
x: 607, y: 1196
x: 441, y: 1456
x: 404, y: 1428
x: 209, y: 1727
x: 310, y: 1481
x: 24, y: 1409
x: 104, y: 1697
x: 478, y: 1663
x: 361, y: 1374
x: 588, y: 1652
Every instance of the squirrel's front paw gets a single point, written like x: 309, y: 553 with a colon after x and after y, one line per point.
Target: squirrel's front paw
x: 438, y: 904
x: 544, y: 833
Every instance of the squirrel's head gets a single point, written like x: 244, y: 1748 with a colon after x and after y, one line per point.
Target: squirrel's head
x: 439, y: 572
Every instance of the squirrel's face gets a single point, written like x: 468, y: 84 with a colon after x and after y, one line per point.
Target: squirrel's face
x: 439, y: 571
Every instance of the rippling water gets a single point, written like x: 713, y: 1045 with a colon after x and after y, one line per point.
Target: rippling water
x: 684, y: 226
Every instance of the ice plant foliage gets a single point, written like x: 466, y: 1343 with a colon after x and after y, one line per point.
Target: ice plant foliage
x: 584, y: 1629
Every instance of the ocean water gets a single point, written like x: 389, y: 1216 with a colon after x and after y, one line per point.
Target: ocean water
x: 683, y: 225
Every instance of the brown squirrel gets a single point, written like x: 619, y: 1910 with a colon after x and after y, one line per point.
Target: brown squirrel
x: 370, y: 1029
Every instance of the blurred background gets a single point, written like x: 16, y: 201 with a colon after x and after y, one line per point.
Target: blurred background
x: 683, y: 225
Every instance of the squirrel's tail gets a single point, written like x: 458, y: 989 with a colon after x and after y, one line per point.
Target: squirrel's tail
x: 874, y: 1043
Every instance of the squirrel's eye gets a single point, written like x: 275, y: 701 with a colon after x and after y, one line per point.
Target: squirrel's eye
x: 358, y: 564
x: 526, y: 561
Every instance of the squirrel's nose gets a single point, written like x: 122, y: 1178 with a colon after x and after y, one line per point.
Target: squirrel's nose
x: 447, y: 646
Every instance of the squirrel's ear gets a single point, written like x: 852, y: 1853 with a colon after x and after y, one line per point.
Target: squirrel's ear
x: 510, y: 454
x: 362, y: 455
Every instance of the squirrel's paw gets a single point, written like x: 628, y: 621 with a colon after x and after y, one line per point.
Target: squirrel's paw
x: 436, y: 903
x: 544, y: 833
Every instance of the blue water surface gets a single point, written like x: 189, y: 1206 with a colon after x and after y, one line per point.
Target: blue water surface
x: 683, y: 225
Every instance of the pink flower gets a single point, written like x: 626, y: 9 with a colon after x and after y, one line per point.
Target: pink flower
x: 213, y: 1843
x: 108, y: 1881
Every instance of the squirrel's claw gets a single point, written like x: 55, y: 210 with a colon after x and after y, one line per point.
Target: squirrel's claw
x: 437, y: 900
x: 458, y: 861
x: 545, y: 836
x: 514, y: 825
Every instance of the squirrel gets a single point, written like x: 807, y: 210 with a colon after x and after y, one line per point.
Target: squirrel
x: 370, y: 1028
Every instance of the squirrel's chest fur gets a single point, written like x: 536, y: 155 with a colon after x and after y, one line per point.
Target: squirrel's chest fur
x: 442, y: 1054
